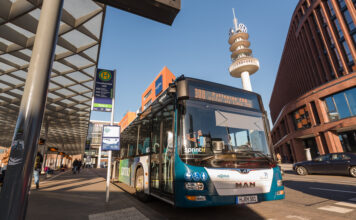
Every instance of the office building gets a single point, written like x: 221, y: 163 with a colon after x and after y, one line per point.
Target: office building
x: 313, y: 103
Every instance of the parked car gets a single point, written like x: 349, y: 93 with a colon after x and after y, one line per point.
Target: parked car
x: 335, y: 163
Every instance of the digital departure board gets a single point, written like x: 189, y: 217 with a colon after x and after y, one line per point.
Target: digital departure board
x: 222, y: 98
x: 222, y: 94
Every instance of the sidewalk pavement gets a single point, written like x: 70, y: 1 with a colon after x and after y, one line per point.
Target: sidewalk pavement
x: 82, y: 196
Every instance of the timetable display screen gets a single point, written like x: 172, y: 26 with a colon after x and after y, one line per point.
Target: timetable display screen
x: 223, y: 95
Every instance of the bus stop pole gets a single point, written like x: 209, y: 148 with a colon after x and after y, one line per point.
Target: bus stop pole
x: 110, y: 152
x: 17, y: 182
x: 99, y: 158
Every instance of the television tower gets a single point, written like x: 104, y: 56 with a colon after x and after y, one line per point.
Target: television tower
x: 243, y: 63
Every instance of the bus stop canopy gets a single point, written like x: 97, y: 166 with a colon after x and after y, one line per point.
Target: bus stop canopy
x: 69, y: 98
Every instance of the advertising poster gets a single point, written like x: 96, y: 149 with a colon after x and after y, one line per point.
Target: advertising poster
x: 111, y: 138
x: 124, y: 173
x: 103, y: 93
x: 110, y: 144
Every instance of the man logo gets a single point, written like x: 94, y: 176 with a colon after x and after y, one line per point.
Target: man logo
x: 246, y: 185
x: 243, y: 171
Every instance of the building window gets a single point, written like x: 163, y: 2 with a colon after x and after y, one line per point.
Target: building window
x: 147, y: 104
x: 342, y: 3
x: 147, y: 94
x: 337, y: 24
x: 338, y: 60
x: 341, y: 105
x: 351, y: 100
x: 315, y: 112
x: 348, y: 141
x: 301, y: 118
x: 347, y: 51
x: 349, y: 20
x: 331, y: 8
x: 329, y: 35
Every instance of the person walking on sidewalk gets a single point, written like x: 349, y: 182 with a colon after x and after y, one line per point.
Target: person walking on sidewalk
x: 279, y: 159
x: 279, y: 162
x: 37, y: 169
x: 79, y: 165
x: 75, y: 166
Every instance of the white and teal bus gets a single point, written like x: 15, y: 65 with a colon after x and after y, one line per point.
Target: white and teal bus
x: 201, y: 144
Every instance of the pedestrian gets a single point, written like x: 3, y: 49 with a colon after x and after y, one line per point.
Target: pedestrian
x: 79, y: 165
x: 279, y: 162
x: 75, y: 166
x: 37, y: 169
x: 279, y: 159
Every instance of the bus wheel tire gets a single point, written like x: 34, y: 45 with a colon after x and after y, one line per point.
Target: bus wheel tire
x: 302, y: 171
x: 139, y: 185
x: 353, y: 171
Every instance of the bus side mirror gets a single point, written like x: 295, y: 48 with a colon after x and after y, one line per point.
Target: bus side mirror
x: 182, y: 89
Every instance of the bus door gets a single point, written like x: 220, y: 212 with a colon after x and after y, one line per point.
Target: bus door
x: 161, y: 163
x: 167, y: 156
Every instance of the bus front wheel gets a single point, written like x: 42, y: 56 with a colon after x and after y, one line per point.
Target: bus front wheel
x: 139, y: 185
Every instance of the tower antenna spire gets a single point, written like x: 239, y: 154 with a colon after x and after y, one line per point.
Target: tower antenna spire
x: 235, y: 20
x: 243, y: 63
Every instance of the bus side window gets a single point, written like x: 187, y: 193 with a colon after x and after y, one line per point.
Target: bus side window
x: 123, y: 151
x: 131, y: 151
x: 145, y: 137
x: 156, y: 138
x: 167, y: 153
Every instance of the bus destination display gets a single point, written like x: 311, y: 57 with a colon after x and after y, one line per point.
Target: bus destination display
x: 222, y: 98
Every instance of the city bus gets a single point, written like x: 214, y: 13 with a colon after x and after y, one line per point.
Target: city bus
x: 201, y: 144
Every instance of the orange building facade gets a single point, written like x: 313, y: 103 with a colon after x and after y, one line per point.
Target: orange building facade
x: 126, y: 120
x: 159, y: 84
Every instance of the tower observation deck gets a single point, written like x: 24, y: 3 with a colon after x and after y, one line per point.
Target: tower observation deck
x: 243, y: 63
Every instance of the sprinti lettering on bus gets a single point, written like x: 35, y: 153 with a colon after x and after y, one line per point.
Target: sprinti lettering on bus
x: 222, y: 98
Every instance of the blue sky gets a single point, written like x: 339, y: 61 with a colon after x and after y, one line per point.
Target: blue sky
x: 196, y: 45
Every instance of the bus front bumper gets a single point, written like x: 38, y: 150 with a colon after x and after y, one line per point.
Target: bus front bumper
x: 190, y: 201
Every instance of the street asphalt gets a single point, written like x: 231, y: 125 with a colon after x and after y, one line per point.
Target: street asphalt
x: 82, y: 196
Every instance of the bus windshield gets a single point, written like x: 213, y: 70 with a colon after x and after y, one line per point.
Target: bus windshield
x: 222, y: 136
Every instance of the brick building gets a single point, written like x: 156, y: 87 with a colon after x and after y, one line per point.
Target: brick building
x: 313, y: 103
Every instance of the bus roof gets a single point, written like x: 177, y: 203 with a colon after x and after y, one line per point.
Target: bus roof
x: 166, y: 95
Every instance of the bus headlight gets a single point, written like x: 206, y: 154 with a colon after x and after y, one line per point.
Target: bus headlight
x: 194, y: 186
x: 279, y: 183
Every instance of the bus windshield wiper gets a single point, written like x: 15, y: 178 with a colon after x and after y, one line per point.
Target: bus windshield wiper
x: 256, y: 152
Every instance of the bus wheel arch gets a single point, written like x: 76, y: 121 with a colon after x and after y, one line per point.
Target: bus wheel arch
x: 139, y: 184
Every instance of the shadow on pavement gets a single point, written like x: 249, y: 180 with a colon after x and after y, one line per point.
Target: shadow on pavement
x: 217, y: 212
x: 329, y: 191
x: 77, y: 196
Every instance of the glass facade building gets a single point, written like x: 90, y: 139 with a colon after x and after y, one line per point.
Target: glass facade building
x: 313, y: 103
x: 341, y: 105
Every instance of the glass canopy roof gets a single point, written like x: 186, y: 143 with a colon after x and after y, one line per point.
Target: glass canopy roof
x: 71, y: 85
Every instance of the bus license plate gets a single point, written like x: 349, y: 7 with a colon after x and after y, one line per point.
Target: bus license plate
x: 246, y: 199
